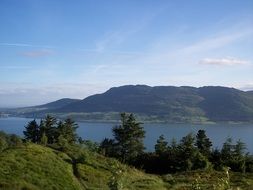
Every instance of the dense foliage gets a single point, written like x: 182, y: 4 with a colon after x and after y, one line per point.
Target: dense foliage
x: 193, y: 152
x: 51, y: 131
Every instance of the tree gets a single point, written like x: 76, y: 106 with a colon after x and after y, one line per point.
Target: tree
x: 239, y: 149
x: 239, y: 157
x: 129, y: 137
x: 227, y: 150
x: 216, y: 159
x: 68, y: 130
x: 107, y: 147
x: 187, y: 151
x: 203, y: 143
x: 32, y: 131
x: 48, y: 127
x: 161, y: 146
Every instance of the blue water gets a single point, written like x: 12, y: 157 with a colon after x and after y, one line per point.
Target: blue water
x: 98, y: 131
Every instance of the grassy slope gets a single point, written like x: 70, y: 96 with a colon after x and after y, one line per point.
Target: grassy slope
x: 37, y: 167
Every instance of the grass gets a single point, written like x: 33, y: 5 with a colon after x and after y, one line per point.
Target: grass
x: 35, y: 167
x: 209, y: 180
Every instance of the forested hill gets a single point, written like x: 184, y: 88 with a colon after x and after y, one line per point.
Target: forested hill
x: 179, y: 104
x: 58, y: 104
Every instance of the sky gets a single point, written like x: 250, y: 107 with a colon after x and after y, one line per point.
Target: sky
x: 52, y: 49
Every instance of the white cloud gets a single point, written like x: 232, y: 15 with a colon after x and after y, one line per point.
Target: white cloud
x: 223, y: 61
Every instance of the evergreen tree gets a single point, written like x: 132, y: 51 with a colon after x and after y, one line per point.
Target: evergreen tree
x: 48, y: 126
x: 239, y: 157
x: 32, y: 131
x: 68, y: 130
x: 187, y: 151
x: 203, y: 143
x: 216, y: 159
x: 227, y: 150
x: 239, y: 149
x: 107, y: 147
x: 161, y: 146
x: 128, y: 138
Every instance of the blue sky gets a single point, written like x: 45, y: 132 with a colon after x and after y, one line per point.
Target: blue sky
x: 50, y: 49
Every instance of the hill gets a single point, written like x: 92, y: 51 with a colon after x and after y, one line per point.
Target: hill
x: 164, y: 103
x: 35, y: 167
x: 57, y: 104
x: 40, y: 108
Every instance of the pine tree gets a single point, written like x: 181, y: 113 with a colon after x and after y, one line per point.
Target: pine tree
x: 239, y: 149
x: 107, y: 147
x: 48, y: 126
x: 128, y: 138
x: 32, y: 131
x: 203, y: 143
x: 161, y: 146
x: 187, y: 151
x: 68, y: 130
x: 227, y: 150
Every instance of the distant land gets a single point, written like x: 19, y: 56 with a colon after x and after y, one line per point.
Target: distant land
x: 185, y: 104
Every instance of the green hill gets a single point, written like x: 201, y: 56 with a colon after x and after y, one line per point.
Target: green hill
x: 160, y: 103
x: 35, y: 167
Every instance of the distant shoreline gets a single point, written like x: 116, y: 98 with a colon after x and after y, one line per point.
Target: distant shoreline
x: 115, y: 121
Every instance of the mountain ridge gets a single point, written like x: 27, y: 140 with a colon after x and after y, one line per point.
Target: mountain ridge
x: 170, y: 103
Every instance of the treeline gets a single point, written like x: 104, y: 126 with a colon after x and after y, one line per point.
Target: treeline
x: 192, y: 152
x: 50, y: 131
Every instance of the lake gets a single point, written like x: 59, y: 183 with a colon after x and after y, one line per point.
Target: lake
x: 98, y: 131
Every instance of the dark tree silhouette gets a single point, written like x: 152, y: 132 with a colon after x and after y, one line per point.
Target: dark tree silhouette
x: 67, y: 130
x: 31, y: 132
x: 203, y: 143
x: 129, y: 137
x: 161, y: 146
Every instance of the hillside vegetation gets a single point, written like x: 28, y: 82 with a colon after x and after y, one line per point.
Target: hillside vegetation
x: 52, y: 156
x: 35, y: 167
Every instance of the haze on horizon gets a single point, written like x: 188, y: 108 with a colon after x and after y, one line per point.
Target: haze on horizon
x: 55, y: 49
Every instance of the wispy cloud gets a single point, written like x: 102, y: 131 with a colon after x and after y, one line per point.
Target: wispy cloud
x: 25, y: 45
x: 217, y: 41
x: 223, y: 61
x: 37, y: 53
x: 113, y: 39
